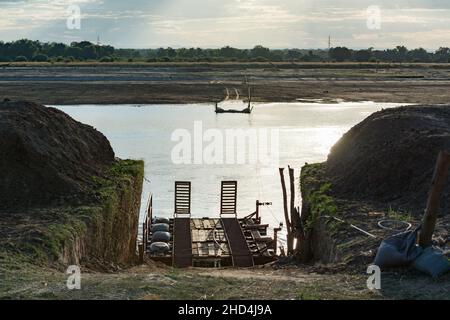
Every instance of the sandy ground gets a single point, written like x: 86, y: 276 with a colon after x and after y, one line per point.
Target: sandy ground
x: 204, y: 83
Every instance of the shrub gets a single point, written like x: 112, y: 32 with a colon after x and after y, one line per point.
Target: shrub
x: 259, y: 59
x: 21, y: 59
x: 40, y: 57
x: 106, y: 59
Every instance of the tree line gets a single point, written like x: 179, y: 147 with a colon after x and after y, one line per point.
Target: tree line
x: 27, y: 50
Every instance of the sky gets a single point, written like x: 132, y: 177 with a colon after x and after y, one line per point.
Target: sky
x: 238, y: 23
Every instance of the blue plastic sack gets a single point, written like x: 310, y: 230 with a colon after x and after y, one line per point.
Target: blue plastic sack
x: 399, y: 250
x: 433, y: 262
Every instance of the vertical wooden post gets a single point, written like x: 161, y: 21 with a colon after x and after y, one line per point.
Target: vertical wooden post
x: 275, y: 239
x: 286, y: 213
x: 144, y: 244
x: 434, y: 199
x: 293, y: 216
x: 292, y: 191
x: 257, y: 209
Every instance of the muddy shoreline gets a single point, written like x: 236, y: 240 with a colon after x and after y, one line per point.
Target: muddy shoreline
x: 161, y: 84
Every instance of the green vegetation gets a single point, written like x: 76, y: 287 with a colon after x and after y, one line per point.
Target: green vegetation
x: 321, y: 205
x: 27, y: 50
x: 49, y: 235
x: 315, y: 192
x: 399, y: 215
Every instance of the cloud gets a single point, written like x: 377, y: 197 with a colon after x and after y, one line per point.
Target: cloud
x: 240, y: 23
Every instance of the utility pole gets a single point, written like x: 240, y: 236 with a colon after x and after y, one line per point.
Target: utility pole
x: 329, y: 42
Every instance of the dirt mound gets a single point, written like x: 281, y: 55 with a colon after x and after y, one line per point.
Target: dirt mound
x: 46, y: 156
x: 390, y: 157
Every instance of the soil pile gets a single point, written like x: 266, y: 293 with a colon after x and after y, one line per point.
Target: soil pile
x: 46, y: 156
x: 390, y: 157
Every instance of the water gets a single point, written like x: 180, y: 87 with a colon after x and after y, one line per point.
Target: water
x: 307, y: 131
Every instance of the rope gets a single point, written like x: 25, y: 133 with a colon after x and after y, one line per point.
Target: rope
x: 351, y: 225
x: 397, y: 222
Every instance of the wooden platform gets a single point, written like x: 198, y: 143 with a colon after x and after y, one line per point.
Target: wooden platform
x: 209, y: 242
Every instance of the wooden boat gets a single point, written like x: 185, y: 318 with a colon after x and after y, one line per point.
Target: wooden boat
x: 247, y: 110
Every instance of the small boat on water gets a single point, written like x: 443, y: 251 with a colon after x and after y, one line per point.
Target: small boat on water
x: 221, y: 110
x: 247, y: 110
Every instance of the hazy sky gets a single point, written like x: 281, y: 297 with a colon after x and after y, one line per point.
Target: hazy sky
x: 239, y: 23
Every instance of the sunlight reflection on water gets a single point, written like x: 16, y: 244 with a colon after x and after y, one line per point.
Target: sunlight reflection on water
x: 307, y: 132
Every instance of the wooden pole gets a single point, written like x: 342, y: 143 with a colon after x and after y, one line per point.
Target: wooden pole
x: 434, y: 199
x: 292, y: 191
x: 292, y: 207
x: 286, y: 213
x: 275, y: 239
x: 257, y: 209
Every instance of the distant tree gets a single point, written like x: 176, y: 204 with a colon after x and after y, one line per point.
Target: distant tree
x: 75, y: 52
x: 229, y: 52
x: 400, y: 54
x: 85, y: 50
x: 171, y: 53
x: 21, y: 59
x: 443, y: 51
x: 442, y: 55
x: 107, y: 59
x: 40, y: 57
x: 23, y: 47
x: 89, y: 52
x: 363, y: 55
x: 419, y: 55
x: 294, y: 55
x: 340, y: 54
x: 260, y: 52
x: 103, y: 51
x: 56, y: 49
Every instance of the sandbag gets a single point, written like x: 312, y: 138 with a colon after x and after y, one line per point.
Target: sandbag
x: 161, y: 236
x: 159, y: 248
x: 399, y: 250
x: 160, y: 227
x: 160, y: 220
x: 433, y: 262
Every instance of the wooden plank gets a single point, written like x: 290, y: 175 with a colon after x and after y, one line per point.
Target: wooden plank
x: 239, y: 250
x: 182, y: 243
x: 207, y: 224
x: 197, y: 223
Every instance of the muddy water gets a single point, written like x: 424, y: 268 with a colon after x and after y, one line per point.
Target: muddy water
x: 306, y: 132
